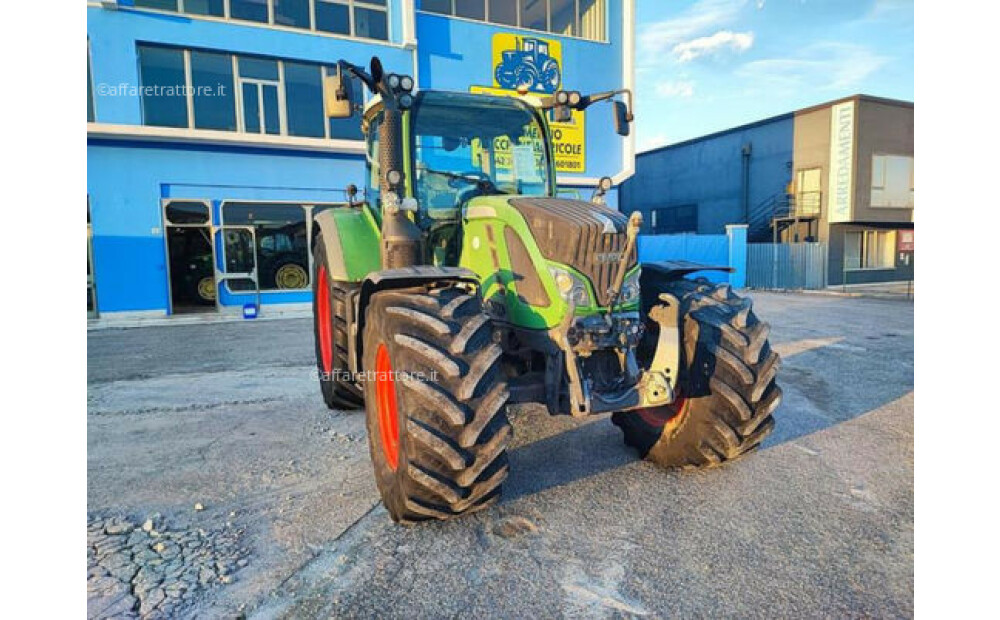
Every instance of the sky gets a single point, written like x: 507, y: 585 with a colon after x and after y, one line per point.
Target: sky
x: 708, y: 65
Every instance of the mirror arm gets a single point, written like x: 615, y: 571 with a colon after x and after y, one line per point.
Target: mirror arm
x: 588, y: 100
x: 359, y: 73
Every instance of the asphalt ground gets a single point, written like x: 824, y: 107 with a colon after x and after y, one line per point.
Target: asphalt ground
x: 228, y: 416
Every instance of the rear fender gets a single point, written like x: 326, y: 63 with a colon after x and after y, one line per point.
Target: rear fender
x: 677, y: 269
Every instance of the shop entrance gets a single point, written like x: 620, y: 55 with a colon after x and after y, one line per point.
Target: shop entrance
x: 190, y: 257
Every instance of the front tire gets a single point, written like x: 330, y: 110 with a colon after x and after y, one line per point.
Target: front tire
x: 435, y: 403
x: 726, y: 385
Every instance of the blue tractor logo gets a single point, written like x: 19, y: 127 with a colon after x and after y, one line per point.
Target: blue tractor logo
x: 529, y: 65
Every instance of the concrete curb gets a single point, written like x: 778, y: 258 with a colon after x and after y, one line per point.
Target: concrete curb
x: 130, y: 323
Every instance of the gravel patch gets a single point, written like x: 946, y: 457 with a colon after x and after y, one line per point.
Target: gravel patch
x: 150, y: 570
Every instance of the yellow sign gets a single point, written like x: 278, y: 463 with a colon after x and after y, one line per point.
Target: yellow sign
x: 526, y: 61
x: 568, y: 139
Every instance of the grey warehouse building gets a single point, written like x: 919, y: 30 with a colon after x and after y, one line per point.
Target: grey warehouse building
x: 839, y: 173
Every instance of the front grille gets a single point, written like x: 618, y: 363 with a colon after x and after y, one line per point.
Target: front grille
x: 573, y: 232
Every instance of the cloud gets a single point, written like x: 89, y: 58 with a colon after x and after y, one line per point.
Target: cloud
x: 675, y: 88
x: 702, y: 17
x: 648, y: 143
x: 830, y: 66
x: 889, y: 9
x: 703, y: 46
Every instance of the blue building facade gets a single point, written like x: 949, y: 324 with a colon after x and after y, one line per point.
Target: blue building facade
x: 209, y: 151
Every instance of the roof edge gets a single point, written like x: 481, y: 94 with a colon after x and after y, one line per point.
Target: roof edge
x: 780, y: 117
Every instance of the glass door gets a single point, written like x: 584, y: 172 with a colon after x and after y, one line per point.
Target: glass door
x: 190, y: 256
x: 238, y: 273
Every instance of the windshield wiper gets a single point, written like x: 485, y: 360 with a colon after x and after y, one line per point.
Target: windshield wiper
x: 484, y: 182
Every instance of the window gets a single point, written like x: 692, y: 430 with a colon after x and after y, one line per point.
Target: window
x: 436, y: 6
x: 213, y: 92
x: 361, y: 18
x: 870, y: 249
x: 333, y: 17
x: 187, y: 212
x: 503, y: 12
x: 250, y: 10
x: 304, y: 94
x: 593, y: 21
x: 91, y: 117
x: 534, y: 14
x: 259, y: 83
x: 371, y: 154
x: 164, y: 102
x: 808, y: 191
x: 370, y: 23
x: 572, y: 18
x: 892, y: 181
x: 294, y: 13
x: 471, y: 9
x: 282, y: 249
x: 563, y: 17
x: 215, y: 8
x: 262, y: 95
x: 668, y: 220
x: 160, y: 5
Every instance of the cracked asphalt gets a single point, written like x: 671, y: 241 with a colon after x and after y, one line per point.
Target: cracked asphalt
x: 219, y: 485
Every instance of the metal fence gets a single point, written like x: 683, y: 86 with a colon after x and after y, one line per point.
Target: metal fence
x: 786, y: 265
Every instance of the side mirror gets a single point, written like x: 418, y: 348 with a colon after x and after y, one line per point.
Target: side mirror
x: 622, y: 118
x: 603, y: 186
x: 335, y: 98
x: 376, y: 70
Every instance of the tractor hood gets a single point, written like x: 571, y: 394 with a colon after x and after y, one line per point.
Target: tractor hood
x: 583, y: 235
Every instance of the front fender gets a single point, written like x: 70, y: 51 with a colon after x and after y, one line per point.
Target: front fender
x: 351, y: 238
x: 406, y: 277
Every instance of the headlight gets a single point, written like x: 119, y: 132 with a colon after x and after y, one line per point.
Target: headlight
x: 630, y: 288
x: 570, y: 287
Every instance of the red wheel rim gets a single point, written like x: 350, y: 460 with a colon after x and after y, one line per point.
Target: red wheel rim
x: 664, y: 415
x: 324, y: 322
x: 385, y: 396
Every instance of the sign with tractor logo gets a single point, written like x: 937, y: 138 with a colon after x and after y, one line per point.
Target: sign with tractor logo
x: 526, y: 61
x: 568, y: 139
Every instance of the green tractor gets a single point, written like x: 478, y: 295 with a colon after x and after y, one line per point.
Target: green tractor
x: 462, y: 285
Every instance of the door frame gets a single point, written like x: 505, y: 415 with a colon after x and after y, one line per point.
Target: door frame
x: 167, y: 224
x: 221, y: 275
x: 91, y: 275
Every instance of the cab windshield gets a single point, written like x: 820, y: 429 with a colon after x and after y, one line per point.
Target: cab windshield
x: 473, y: 145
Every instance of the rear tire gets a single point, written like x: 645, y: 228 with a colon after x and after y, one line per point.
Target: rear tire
x: 438, y: 432
x: 726, y: 385
x: 331, y: 335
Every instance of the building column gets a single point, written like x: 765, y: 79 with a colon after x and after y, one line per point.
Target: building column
x: 736, y: 235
